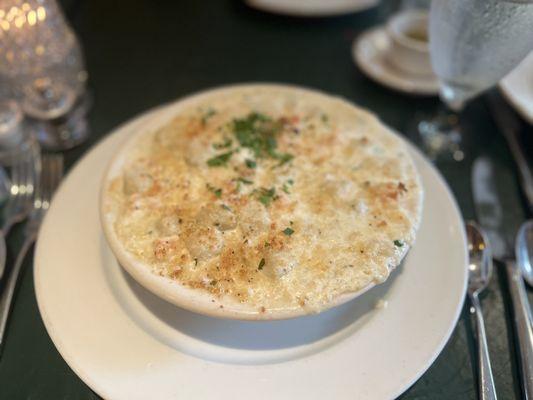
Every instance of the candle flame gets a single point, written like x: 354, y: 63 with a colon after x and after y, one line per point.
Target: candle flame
x: 32, y: 18
x: 41, y: 13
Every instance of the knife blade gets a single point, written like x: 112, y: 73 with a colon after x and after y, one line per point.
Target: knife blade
x: 499, y: 212
x: 497, y: 207
x: 510, y: 125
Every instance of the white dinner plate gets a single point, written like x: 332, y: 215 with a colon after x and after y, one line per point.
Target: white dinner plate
x: 312, y: 8
x: 369, y: 52
x: 126, y: 343
x: 517, y: 87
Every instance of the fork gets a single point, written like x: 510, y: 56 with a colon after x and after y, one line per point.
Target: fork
x: 51, y: 174
x: 18, y: 204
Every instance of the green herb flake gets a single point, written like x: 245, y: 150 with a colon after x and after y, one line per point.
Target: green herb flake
x: 288, y: 231
x: 224, y: 145
x: 290, y: 182
x: 245, y: 181
x: 225, y: 207
x: 398, y: 243
x: 220, y: 160
x: 250, y: 163
x: 267, y: 244
x: 265, y: 196
x: 216, y: 191
x: 324, y: 118
x: 207, y: 114
x: 258, y: 133
x: 213, y: 282
x: 261, y: 264
x: 283, y: 158
x: 285, y: 188
x: 195, y: 261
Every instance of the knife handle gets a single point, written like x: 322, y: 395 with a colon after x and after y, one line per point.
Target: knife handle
x: 487, y: 391
x: 523, y: 326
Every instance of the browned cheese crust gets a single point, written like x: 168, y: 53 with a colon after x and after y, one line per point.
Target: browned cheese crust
x: 276, y: 197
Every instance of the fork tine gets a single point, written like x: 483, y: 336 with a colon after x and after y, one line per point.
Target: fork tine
x: 58, y: 175
x: 15, y: 177
x: 28, y: 178
x: 37, y: 194
x: 52, y: 173
x: 47, y: 182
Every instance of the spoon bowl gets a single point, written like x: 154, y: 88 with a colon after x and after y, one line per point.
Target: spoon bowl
x: 480, y: 264
x: 479, y: 272
x: 524, y: 251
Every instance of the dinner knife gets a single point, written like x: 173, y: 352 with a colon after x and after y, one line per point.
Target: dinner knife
x: 500, y: 216
x: 510, y: 125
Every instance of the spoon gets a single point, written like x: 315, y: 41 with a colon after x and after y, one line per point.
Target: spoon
x: 522, y: 310
x: 524, y: 251
x: 479, y: 273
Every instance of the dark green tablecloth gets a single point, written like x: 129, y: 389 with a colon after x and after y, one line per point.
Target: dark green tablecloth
x: 144, y: 53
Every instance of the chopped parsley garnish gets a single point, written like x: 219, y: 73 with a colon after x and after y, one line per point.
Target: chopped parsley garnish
x: 195, y: 261
x: 265, y: 196
x: 208, y: 114
x: 241, y: 180
x: 267, y: 244
x: 216, y: 191
x: 324, y: 118
x: 245, y: 181
x: 261, y: 264
x: 258, y: 133
x: 224, y: 145
x: 220, y: 160
x: 225, y: 207
x: 286, y: 185
x: 398, y: 243
x: 282, y: 157
x: 288, y: 231
x: 250, y: 163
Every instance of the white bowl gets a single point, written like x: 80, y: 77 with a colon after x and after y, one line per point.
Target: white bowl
x: 166, y: 288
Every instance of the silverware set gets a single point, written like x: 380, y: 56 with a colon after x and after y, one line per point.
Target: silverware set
x: 19, y: 200
x: 29, y: 199
x: 503, y: 236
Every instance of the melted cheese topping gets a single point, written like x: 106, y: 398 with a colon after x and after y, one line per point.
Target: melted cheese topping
x: 276, y: 197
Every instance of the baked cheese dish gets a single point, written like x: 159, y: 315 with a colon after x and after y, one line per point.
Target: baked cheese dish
x: 274, y: 197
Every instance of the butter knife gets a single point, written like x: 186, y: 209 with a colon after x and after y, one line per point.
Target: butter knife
x: 510, y: 125
x: 494, y: 206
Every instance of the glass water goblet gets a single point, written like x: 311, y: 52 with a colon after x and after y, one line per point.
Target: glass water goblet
x: 42, y: 62
x: 473, y: 44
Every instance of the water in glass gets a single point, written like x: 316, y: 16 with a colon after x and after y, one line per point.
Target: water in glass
x: 474, y: 43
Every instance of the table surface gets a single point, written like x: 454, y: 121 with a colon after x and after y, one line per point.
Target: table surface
x: 145, y: 53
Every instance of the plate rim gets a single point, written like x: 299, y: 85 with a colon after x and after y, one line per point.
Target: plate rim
x: 280, y: 9
x: 107, y: 139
